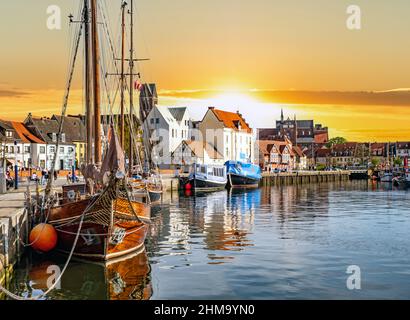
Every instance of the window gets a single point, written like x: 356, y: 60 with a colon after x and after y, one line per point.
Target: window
x: 70, y: 150
x: 52, y: 149
x: 63, y: 137
x: 227, y: 139
x: 54, y: 137
x: 18, y: 149
x: 157, y: 120
x: 9, y: 134
x: 172, y: 133
x: 11, y: 149
x: 42, y: 150
x: 61, y: 149
x: 152, y: 121
x: 27, y: 149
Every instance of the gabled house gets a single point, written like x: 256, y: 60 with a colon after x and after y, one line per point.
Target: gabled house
x: 47, y: 130
x: 20, y: 146
x: 199, y: 152
x: 166, y: 128
x: 281, y: 155
x: 228, y: 133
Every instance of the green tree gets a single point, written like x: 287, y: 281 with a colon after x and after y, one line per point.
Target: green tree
x: 398, y: 161
x: 334, y: 141
x: 375, y: 162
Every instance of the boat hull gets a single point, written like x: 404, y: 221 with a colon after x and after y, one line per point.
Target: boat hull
x: 155, y: 196
x: 97, y: 240
x: 207, y: 185
x: 238, y: 181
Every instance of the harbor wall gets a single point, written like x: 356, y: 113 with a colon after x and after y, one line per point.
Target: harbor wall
x: 13, y: 228
x: 272, y: 179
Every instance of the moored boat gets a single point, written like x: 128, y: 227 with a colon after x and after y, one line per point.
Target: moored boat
x: 242, y: 174
x: 207, y: 177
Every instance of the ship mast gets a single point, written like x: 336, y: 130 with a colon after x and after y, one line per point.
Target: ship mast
x: 122, y: 119
x: 87, y: 63
x: 96, y: 83
x: 131, y: 150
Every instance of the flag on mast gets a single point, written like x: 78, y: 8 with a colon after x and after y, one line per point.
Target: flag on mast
x: 138, y: 85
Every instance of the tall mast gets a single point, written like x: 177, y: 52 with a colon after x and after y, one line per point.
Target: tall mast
x: 122, y: 119
x: 131, y: 150
x: 89, y: 118
x: 96, y: 82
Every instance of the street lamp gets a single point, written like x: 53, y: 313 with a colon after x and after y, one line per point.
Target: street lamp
x: 16, y: 169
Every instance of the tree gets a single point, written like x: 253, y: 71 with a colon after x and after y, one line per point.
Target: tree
x: 375, y: 162
x: 334, y: 141
x: 398, y: 161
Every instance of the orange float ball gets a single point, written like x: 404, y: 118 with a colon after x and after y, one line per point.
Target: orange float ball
x: 43, y: 237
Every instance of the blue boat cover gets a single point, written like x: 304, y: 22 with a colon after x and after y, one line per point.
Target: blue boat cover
x: 243, y: 169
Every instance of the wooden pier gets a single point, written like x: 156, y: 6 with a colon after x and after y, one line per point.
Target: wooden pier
x: 304, y: 177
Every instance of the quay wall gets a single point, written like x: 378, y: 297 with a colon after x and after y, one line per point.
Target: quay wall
x: 272, y: 179
x: 13, y: 233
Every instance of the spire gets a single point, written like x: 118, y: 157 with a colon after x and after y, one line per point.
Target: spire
x: 281, y: 115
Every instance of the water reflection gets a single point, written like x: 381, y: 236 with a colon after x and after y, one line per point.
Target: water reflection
x: 290, y: 242
x: 127, y: 278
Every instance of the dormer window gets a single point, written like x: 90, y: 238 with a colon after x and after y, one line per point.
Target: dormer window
x: 9, y: 134
x: 54, y: 137
x: 63, y: 137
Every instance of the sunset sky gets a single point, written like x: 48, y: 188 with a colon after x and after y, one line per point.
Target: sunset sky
x: 254, y: 56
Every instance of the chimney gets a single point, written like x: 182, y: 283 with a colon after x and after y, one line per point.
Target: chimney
x: 211, y: 108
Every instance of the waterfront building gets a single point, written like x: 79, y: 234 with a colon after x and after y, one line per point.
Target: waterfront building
x: 228, y: 133
x: 47, y: 130
x: 303, y: 133
x: 403, y: 149
x: 199, y: 152
x: 280, y: 155
x: 323, y: 157
x: 167, y: 127
x: 19, y: 146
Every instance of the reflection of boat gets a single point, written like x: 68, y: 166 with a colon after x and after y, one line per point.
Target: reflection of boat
x: 243, y: 174
x: 127, y: 278
x: 386, y: 175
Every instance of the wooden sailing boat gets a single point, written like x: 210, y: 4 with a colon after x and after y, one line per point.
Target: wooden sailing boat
x: 105, y: 223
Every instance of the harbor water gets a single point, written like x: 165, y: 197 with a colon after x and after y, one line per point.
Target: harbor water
x: 287, y: 242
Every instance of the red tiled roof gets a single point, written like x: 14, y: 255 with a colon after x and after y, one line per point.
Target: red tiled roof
x: 25, y: 135
x: 298, y: 151
x: 229, y: 119
x: 323, y: 152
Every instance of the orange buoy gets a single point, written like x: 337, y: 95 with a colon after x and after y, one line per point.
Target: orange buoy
x: 43, y: 237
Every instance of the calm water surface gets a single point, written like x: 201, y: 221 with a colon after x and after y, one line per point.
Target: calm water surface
x: 292, y: 242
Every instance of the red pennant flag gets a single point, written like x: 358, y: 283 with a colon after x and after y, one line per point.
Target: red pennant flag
x: 137, y: 85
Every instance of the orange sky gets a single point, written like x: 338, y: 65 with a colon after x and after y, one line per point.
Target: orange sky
x: 269, y: 53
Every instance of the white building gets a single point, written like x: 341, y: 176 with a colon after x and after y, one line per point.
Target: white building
x: 47, y: 130
x: 18, y: 144
x: 166, y: 127
x: 199, y: 152
x: 403, y: 149
x: 228, y: 133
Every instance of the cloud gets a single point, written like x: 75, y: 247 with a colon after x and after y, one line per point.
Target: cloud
x: 12, y: 93
x: 395, y: 97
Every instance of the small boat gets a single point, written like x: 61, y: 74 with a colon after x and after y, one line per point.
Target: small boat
x: 242, y: 174
x: 207, y: 177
